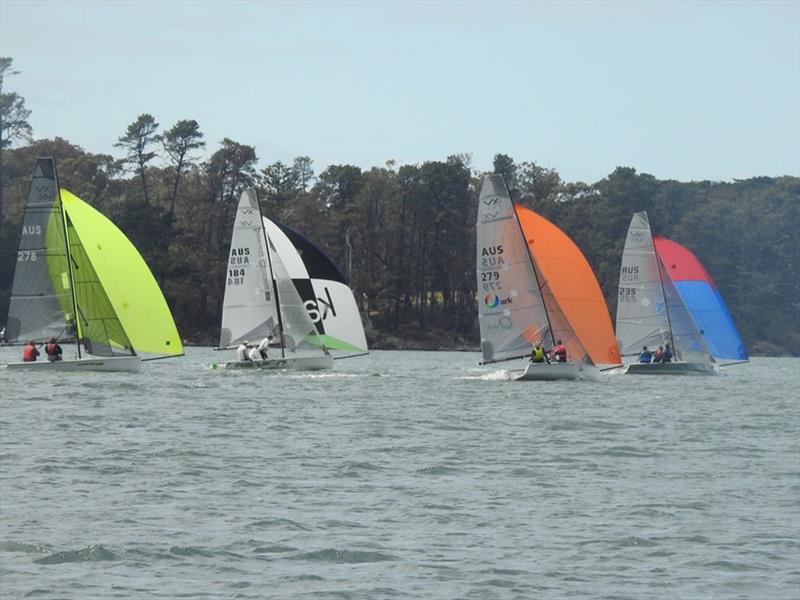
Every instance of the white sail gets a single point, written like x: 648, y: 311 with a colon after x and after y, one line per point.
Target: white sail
x: 249, y: 311
x: 641, y: 306
x: 328, y: 299
x: 511, y: 310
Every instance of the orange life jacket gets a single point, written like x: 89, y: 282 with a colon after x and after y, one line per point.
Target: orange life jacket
x: 29, y: 353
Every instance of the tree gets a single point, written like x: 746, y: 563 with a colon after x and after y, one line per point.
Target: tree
x: 302, y: 167
x: 178, y: 142
x: 281, y: 183
x: 138, y: 137
x: 504, y: 165
x: 14, y: 124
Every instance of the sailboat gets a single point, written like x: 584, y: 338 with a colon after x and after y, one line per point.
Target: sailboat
x: 261, y: 299
x: 79, y: 279
x: 535, y: 285
x: 667, y: 297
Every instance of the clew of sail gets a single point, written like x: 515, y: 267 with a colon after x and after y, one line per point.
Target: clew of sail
x: 511, y: 311
x: 702, y: 300
x: 126, y: 283
x: 325, y: 292
x: 249, y: 311
x: 575, y: 304
x: 40, y: 291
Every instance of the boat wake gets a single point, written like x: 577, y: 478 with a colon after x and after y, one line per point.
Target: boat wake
x: 499, y: 375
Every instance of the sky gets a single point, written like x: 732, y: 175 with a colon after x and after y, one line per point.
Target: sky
x: 680, y: 90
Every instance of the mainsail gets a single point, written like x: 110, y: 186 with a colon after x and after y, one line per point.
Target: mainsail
x: 641, y: 307
x: 702, y: 300
x: 575, y: 304
x: 511, y: 310
x: 249, y: 311
x: 326, y: 295
x: 40, y: 293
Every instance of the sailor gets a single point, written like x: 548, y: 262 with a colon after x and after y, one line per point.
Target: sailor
x: 253, y: 353
x: 53, y: 350
x: 658, y: 355
x: 241, y: 351
x: 30, y: 352
x: 646, y: 356
x: 667, y: 356
x: 263, y: 347
x: 538, y: 355
x: 559, y: 352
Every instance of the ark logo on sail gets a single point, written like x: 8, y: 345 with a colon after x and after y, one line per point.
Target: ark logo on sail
x: 493, y: 300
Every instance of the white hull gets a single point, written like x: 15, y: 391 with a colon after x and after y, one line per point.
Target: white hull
x: 672, y: 368
x: 299, y: 363
x: 556, y: 371
x: 126, y: 364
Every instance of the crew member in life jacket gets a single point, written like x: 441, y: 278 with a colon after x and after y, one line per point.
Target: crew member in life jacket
x: 30, y: 352
x: 53, y: 350
x: 645, y: 356
x: 263, y: 347
x: 667, y: 355
x: 538, y: 354
x: 559, y: 352
x: 241, y: 351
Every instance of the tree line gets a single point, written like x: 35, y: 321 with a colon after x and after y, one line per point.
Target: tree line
x: 404, y: 235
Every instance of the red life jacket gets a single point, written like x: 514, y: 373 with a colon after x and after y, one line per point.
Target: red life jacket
x: 560, y: 352
x: 51, y: 349
x: 29, y: 353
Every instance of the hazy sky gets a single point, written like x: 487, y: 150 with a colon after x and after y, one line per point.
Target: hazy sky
x: 683, y: 90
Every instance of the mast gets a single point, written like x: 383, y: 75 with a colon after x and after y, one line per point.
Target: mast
x: 663, y: 293
x: 70, y: 275
x: 535, y: 275
x: 271, y: 275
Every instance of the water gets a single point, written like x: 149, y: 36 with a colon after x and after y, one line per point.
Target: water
x: 401, y: 474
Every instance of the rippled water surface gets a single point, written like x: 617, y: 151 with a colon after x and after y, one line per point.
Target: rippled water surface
x: 400, y: 474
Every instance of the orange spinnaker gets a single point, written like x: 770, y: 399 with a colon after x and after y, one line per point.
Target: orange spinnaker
x: 573, y: 283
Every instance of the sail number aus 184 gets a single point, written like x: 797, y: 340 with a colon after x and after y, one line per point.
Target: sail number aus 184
x: 236, y: 276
